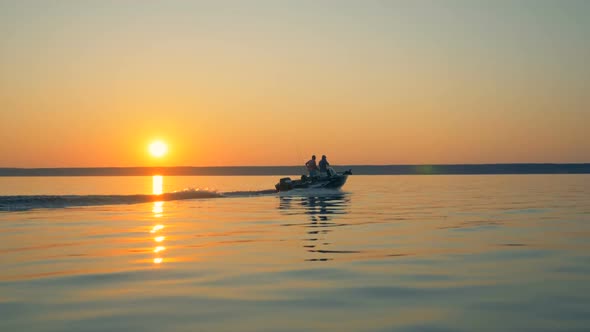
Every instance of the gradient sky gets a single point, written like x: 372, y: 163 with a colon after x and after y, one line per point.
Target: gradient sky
x: 92, y: 83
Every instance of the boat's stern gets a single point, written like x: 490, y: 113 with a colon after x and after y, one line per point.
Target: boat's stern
x: 284, y: 184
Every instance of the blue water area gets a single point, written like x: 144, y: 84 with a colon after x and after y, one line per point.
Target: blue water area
x: 385, y: 253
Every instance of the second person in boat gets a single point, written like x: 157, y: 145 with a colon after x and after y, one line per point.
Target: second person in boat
x: 324, y: 166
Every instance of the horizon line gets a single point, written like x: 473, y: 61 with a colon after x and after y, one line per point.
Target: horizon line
x: 302, y: 165
x: 418, y: 169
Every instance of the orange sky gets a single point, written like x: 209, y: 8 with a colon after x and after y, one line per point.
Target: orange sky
x: 93, y: 83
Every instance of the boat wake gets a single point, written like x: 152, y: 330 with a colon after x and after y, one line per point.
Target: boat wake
x: 24, y: 203
x: 30, y: 202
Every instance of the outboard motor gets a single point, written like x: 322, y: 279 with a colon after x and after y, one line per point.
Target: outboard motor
x: 284, y: 184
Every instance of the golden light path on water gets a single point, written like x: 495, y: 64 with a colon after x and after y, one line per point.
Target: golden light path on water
x: 158, y: 211
x: 157, y: 185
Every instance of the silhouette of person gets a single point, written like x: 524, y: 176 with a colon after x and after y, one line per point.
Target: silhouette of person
x: 324, y: 165
x: 312, y: 167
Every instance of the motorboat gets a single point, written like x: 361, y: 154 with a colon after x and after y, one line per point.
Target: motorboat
x: 328, y: 180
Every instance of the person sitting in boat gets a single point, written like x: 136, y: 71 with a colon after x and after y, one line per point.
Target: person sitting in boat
x: 324, y: 166
x: 312, y: 168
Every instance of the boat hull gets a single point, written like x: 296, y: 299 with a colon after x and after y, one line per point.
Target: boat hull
x: 329, y: 182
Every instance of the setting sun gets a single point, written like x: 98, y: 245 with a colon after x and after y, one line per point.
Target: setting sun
x: 158, y: 149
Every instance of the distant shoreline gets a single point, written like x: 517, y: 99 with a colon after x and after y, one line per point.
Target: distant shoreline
x: 458, y: 169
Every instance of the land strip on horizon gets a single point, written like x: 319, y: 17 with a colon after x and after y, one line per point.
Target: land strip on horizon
x: 545, y: 168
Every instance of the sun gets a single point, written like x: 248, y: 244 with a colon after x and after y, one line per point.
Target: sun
x: 158, y: 149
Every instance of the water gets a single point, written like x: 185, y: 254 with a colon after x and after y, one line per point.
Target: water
x: 387, y: 253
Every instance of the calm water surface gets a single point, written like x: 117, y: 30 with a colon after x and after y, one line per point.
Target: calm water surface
x: 388, y: 253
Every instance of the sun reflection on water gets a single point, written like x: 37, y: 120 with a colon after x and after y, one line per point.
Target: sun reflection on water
x: 157, y: 184
x: 157, y: 227
x: 158, y: 211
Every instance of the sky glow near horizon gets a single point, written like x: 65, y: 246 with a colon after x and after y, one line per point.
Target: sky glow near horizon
x: 88, y: 84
